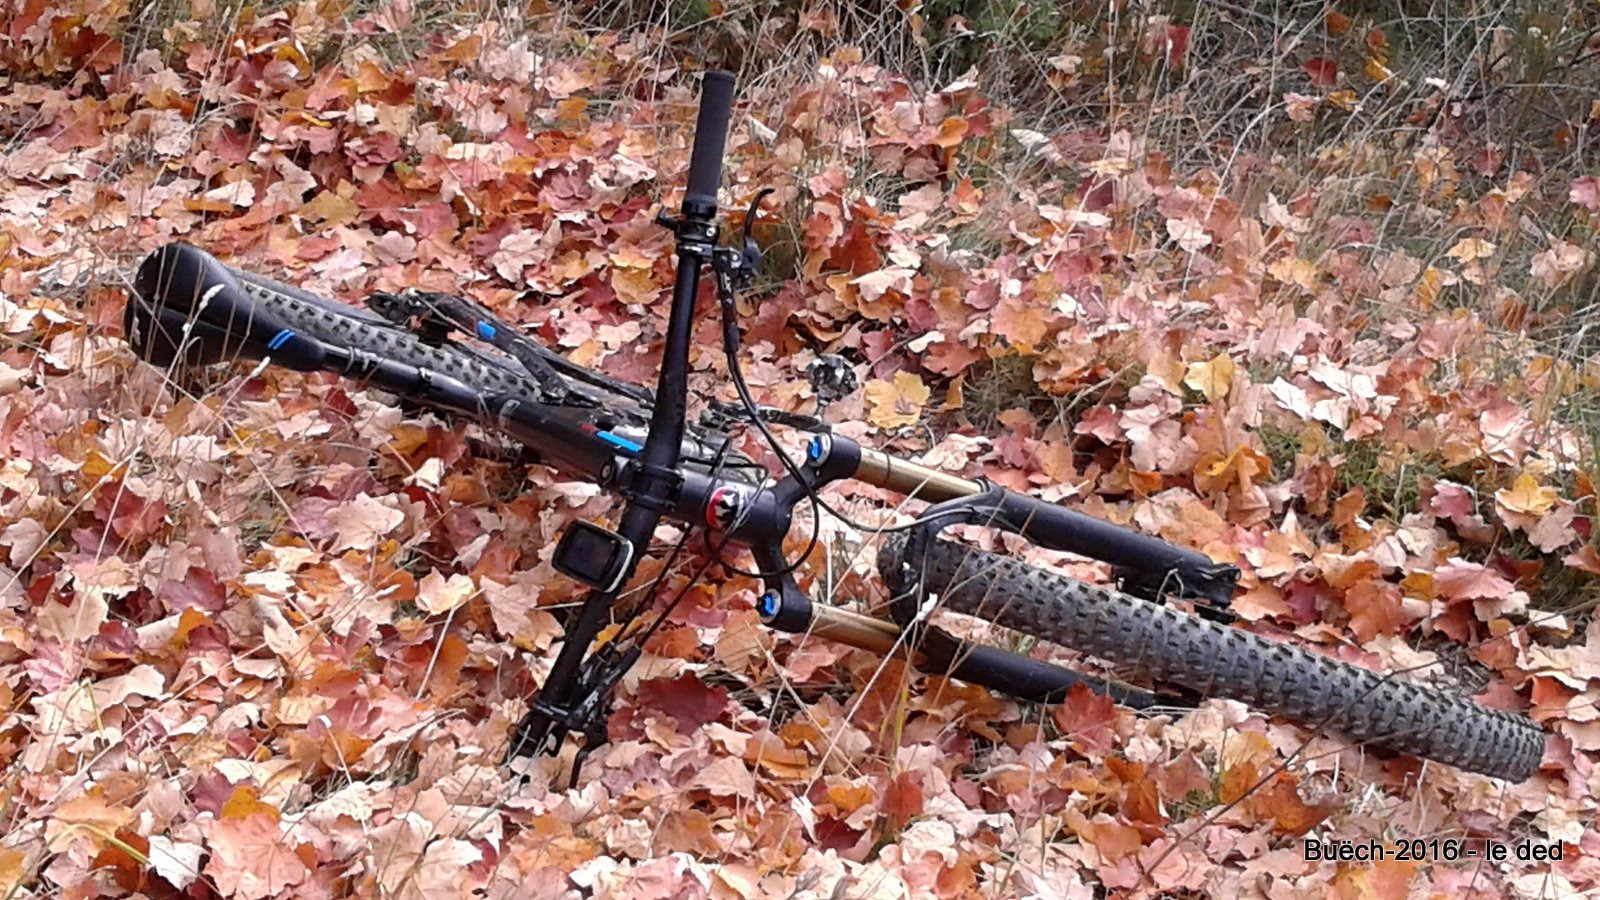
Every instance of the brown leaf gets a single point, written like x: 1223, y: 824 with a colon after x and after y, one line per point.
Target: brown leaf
x: 1375, y: 609
x: 902, y: 799
x: 1459, y: 579
x: 13, y: 869
x: 1280, y: 802
x: 685, y: 698
x: 1324, y: 72
x: 688, y: 831
x: 725, y: 777
x: 1085, y: 717
x: 951, y: 131
x: 1212, y: 377
x: 1141, y: 799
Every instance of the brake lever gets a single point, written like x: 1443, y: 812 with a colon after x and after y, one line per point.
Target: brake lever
x: 750, y: 252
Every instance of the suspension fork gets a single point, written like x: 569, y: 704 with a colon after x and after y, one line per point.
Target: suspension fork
x: 1147, y: 566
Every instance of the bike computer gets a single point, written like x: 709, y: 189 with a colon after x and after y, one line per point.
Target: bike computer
x: 593, y: 555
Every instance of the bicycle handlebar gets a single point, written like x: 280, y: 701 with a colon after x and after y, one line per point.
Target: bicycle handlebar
x: 710, y: 139
x: 186, y: 284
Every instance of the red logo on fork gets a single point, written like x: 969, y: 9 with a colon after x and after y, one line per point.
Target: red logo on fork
x: 726, y: 506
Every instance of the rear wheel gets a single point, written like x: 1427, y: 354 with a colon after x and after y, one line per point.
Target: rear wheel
x: 1173, y: 647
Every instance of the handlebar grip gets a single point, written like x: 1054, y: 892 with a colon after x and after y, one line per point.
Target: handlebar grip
x: 179, y: 283
x: 710, y: 139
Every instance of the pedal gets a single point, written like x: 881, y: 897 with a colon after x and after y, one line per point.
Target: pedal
x: 832, y: 378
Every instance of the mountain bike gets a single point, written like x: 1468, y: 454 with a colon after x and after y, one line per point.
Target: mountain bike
x: 454, y: 357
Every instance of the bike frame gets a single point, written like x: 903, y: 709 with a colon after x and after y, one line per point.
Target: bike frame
x: 205, y: 313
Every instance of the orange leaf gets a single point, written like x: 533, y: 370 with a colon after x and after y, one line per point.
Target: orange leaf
x: 951, y: 131
x: 468, y: 50
x: 13, y: 869
x: 897, y: 403
x: 1347, y: 507
x: 245, y: 801
x: 847, y: 798
x: 902, y: 799
x: 188, y: 620
x: 688, y: 830
x: 1280, y: 801
x: 1021, y: 321
x: 1374, y: 608
x: 1085, y: 717
x: 1115, y: 840
x: 1527, y: 495
x: 1386, y: 879
x: 447, y: 669
x: 783, y: 762
x: 1324, y: 72
x: 330, y: 209
x: 119, y: 856
x: 1142, y: 801
x: 1212, y: 377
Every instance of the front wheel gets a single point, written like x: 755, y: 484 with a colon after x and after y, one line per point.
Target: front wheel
x: 1174, y: 647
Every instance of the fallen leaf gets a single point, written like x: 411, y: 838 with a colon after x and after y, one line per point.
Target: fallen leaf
x: 1586, y: 193
x: 1527, y: 495
x: 897, y: 403
x: 364, y: 521
x: 1189, y: 234
x: 1471, y: 249
x: 1211, y: 378
x: 250, y: 857
x: 726, y: 776
x: 1459, y: 579
x: 685, y: 698
x: 1324, y: 72
x: 438, y: 594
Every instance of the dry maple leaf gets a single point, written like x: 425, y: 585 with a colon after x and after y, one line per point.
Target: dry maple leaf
x: 685, y: 698
x: 1557, y: 265
x: 1189, y: 234
x: 1471, y: 249
x: 1212, y: 377
x: 1460, y: 579
x: 251, y: 858
x: 438, y: 594
x: 362, y: 522
x: 897, y: 403
x: 1526, y: 496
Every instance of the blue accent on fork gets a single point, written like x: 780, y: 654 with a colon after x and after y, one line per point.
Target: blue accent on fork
x: 767, y: 606
x: 486, y: 331
x: 279, y: 339
x: 619, y: 442
x: 814, y: 449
